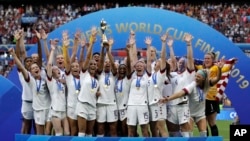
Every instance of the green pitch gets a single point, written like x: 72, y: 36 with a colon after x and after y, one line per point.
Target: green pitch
x: 224, y: 129
x: 223, y: 126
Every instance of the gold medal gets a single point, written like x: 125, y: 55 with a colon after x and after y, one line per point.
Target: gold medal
x: 138, y: 88
x: 106, y: 86
x: 155, y: 86
x: 91, y: 90
x: 77, y: 91
x: 121, y: 94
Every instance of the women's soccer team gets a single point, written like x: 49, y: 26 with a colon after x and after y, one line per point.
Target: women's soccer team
x: 93, y: 95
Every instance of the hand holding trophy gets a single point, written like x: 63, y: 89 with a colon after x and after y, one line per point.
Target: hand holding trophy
x: 103, y: 25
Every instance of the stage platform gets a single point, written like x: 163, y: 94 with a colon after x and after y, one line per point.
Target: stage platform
x: 20, y: 137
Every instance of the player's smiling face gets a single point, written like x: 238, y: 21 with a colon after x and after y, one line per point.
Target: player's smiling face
x: 107, y: 65
x: 122, y: 69
x: 208, y: 61
x: 75, y: 69
x: 35, y: 70
x: 92, y: 66
x: 60, y: 61
x: 139, y: 67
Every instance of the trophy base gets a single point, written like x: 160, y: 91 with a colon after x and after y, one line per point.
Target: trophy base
x: 105, y: 43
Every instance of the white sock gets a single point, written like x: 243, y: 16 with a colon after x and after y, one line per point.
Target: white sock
x: 203, y: 133
x: 81, y: 134
x: 66, y: 134
x: 58, y: 134
x: 185, y: 134
x: 99, y: 135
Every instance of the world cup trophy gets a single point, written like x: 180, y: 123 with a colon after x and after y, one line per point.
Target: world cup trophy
x: 103, y: 25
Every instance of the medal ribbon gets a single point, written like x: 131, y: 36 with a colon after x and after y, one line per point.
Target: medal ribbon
x: 138, y: 82
x: 77, y: 85
x: 93, y: 83
x: 201, y: 95
x: 107, y: 82
x: 59, y: 85
x: 117, y: 86
x: 154, y: 78
x: 38, y: 86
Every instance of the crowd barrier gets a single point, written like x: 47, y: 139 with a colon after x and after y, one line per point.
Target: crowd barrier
x: 19, y: 137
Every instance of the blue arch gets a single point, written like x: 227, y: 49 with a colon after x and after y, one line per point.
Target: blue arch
x: 153, y: 22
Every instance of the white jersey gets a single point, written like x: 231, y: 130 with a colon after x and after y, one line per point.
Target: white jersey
x: 178, y: 81
x: 41, y: 96
x: 74, y: 86
x: 57, y: 93
x: 26, y: 89
x: 167, y: 91
x: 107, y: 87
x: 155, y: 86
x: 196, y: 98
x: 89, y: 87
x: 122, y: 91
x: 138, y: 94
x: 43, y: 73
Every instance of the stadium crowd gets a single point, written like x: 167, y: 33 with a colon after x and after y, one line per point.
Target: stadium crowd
x: 232, y: 20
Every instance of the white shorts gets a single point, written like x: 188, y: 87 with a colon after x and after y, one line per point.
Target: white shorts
x: 49, y: 115
x: 107, y: 113
x: 27, y: 110
x: 162, y: 111
x: 122, y: 114
x: 41, y: 116
x: 157, y: 112
x: 154, y: 112
x: 137, y: 114
x: 85, y: 110
x: 178, y: 114
x: 58, y: 114
x: 197, y: 110
x: 71, y: 113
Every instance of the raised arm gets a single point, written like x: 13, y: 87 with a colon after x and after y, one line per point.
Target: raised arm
x: 173, y: 60
x: 75, y: 46
x: 148, y: 41
x: 133, y: 50
x: 39, y: 49
x: 88, y: 56
x: 83, y: 45
x: 19, y: 64
x: 102, y: 55
x: 111, y: 58
x: 163, y: 51
x: 128, y: 63
x: 89, y: 48
x: 133, y: 59
x: 23, y: 53
x: 190, y: 60
x: 44, y: 36
x: 17, y: 36
x: 66, y: 52
x: 51, y: 57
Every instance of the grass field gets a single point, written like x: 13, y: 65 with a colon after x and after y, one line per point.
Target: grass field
x: 223, y: 126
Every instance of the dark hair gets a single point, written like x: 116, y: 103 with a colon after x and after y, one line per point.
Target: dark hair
x: 168, y: 70
x: 26, y: 58
x: 96, y: 53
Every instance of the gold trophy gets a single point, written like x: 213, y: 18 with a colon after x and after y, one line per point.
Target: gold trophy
x: 103, y: 25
